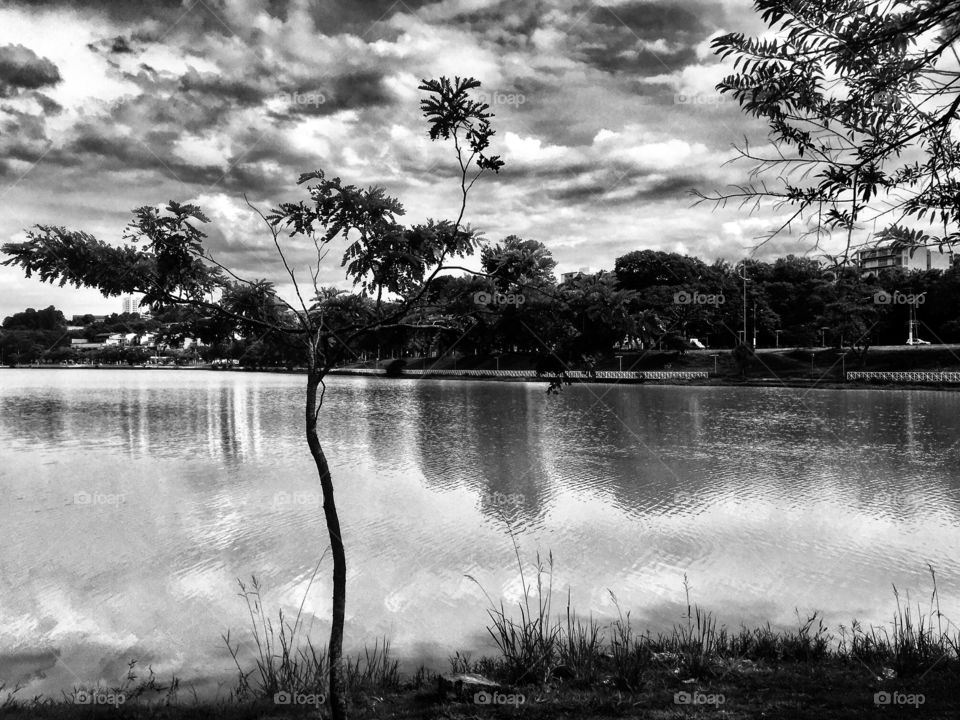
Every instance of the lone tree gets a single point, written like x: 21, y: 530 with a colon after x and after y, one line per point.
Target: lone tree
x: 393, y: 266
x: 861, y: 100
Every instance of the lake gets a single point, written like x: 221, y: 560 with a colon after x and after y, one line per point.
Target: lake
x: 134, y: 499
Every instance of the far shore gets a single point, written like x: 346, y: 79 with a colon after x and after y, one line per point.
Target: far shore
x: 810, y: 383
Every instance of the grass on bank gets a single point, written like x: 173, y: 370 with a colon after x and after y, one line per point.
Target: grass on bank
x: 571, y: 666
x: 578, y: 652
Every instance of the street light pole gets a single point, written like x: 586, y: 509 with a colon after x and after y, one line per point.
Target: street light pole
x: 744, y: 276
x: 778, y: 337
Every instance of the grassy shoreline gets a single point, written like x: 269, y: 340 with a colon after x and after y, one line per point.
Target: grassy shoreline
x: 562, y: 665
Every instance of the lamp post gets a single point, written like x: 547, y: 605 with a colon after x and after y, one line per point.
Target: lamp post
x: 743, y: 267
x: 778, y: 337
x: 715, y: 356
x: 823, y: 336
x: 620, y: 358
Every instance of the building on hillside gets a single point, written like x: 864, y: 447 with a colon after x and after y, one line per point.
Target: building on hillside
x: 568, y: 276
x: 886, y: 257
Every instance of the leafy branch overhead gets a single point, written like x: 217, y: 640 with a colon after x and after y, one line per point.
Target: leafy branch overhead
x: 861, y: 101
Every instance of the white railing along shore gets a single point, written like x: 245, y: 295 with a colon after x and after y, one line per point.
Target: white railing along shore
x: 917, y: 376
x: 575, y: 374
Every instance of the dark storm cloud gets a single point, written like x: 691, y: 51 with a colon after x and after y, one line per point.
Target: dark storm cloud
x: 204, y: 17
x: 120, y: 45
x: 632, y: 188
x: 244, y: 91
x: 643, y: 60
x: 365, y: 19
x: 126, y: 10
x: 653, y: 20
x: 115, y: 46
x: 347, y: 92
x: 111, y: 152
x: 22, y: 136
x: 22, y: 69
x: 645, y: 38
x: 49, y: 105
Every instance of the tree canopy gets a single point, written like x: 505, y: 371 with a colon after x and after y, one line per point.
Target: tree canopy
x: 860, y: 98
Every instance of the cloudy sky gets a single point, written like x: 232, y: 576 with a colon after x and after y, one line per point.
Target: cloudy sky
x: 606, y: 117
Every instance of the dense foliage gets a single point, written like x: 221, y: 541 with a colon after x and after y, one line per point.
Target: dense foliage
x: 651, y: 299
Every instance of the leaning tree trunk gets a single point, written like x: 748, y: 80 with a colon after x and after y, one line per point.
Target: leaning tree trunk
x: 338, y: 703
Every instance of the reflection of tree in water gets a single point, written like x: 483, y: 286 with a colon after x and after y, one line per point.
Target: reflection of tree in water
x: 634, y: 444
x: 32, y: 420
x: 379, y: 420
x: 486, y: 437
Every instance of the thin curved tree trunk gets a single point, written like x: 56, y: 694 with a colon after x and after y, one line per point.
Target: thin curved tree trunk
x: 337, y: 689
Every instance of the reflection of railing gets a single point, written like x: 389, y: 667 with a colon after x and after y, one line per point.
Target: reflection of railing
x: 575, y: 374
x: 909, y: 376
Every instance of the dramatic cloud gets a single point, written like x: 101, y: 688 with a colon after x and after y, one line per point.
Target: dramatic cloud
x: 605, y: 114
x: 23, y: 69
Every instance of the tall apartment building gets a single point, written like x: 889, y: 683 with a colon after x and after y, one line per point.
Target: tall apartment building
x: 886, y: 257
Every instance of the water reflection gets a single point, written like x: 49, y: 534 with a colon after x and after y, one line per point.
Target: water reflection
x: 769, y: 499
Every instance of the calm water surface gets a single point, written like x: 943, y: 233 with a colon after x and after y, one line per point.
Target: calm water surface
x: 134, y: 499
